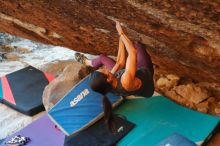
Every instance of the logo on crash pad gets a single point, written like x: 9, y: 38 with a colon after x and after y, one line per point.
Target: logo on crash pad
x: 79, y: 97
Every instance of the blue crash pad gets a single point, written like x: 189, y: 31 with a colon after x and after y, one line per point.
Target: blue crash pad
x: 80, y: 108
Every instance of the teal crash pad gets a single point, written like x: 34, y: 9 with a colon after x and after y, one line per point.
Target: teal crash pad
x: 156, y: 118
x: 1, y: 93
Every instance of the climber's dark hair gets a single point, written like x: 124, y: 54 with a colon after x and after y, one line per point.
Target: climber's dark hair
x: 84, y: 71
x: 99, y: 84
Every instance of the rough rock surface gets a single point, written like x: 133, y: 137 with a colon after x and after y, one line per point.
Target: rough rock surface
x: 61, y: 85
x: 11, y: 57
x: 194, y: 93
x: 182, y: 36
x: 202, y: 96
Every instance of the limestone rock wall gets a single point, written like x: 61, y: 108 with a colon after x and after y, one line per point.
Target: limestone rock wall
x: 183, y: 36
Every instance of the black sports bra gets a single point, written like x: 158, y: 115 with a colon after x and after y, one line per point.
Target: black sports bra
x: 146, y: 89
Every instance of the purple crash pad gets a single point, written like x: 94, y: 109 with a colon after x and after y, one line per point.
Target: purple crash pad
x: 42, y: 132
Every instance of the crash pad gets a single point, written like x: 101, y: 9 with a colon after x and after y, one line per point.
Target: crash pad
x: 41, y: 132
x: 80, y: 108
x: 158, y: 117
x: 22, y: 90
x: 1, y: 93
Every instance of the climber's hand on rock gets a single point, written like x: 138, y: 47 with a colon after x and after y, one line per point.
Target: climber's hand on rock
x: 118, y: 27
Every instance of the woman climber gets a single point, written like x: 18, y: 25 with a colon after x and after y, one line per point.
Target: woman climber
x: 127, y: 76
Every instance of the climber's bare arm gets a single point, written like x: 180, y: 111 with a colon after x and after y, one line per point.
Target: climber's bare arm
x: 128, y: 79
x: 121, y: 58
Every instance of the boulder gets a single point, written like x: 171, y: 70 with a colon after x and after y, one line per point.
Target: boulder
x: 192, y: 93
x: 217, y: 111
x: 22, y: 49
x: 162, y: 82
x: 203, y: 107
x: 72, y: 73
x: 167, y: 82
x: 11, y: 56
x: 61, y: 85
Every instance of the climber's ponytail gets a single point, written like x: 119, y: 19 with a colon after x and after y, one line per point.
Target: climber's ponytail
x: 108, y: 117
x: 99, y: 84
